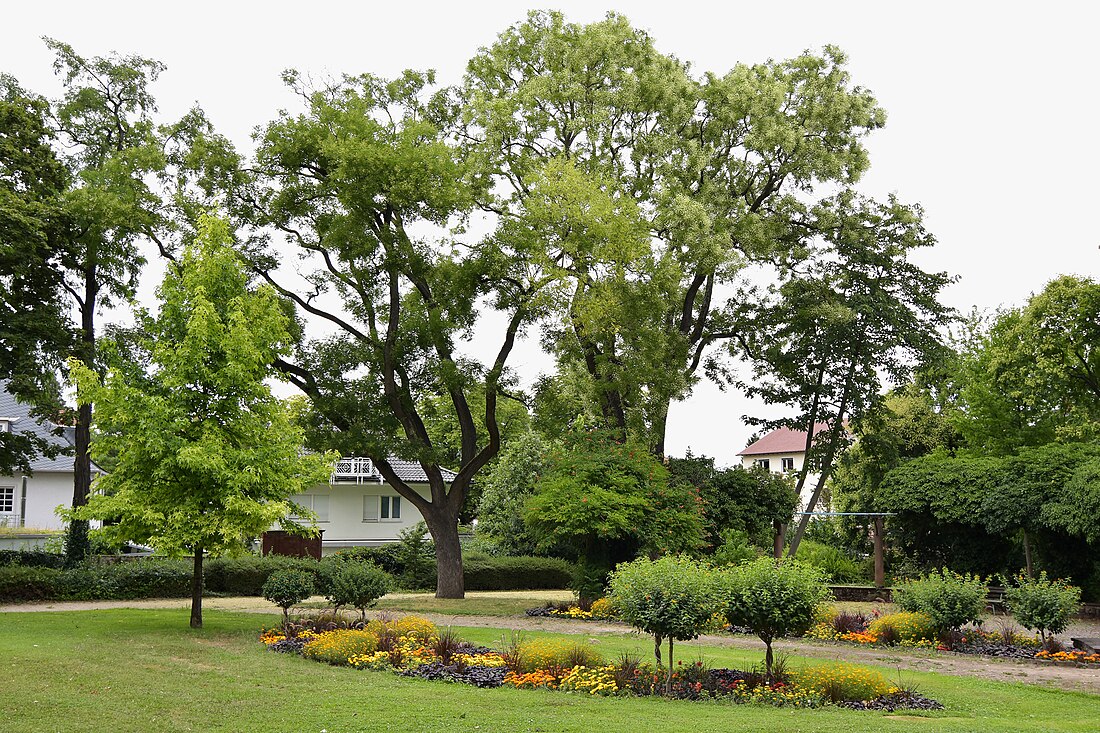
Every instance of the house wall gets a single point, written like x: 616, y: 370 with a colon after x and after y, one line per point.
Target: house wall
x: 345, y: 525
x: 775, y: 465
x: 46, y: 490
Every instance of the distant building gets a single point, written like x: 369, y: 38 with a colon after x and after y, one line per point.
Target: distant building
x: 30, y: 500
x: 783, y: 450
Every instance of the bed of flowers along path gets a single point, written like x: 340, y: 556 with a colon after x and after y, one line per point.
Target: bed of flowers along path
x: 414, y: 647
x: 895, y: 629
x: 917, y: 630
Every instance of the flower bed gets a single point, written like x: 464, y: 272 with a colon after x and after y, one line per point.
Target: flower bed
x: 413, y: 647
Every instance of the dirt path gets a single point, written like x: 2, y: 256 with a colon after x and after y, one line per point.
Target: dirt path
x: 1069, y: 678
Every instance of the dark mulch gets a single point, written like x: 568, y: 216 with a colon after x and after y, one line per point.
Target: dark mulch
x: 904, y: 700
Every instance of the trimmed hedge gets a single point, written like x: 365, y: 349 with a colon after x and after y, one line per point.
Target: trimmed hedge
x: 32, y: 558
x: 245, y: 576
x: 517, y: 573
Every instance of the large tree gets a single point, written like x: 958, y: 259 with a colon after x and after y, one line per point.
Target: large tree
x: 718, y: 170
x: 366, y: 183
x: 204, y: 457
x: 848, y: 313
x: 34, y: 325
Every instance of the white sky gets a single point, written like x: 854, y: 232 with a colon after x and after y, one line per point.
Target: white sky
x: 991, y: 106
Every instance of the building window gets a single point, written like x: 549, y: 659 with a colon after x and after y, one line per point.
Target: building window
x: 7, y: 499
x: 317, y: 503
x: 370, y: 508
x: 5, y: 426
x: 764, y: 463
x: 391, y: 507
x: 788, y: 465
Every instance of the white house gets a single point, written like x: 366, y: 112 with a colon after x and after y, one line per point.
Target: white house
x: 782, y: 451
x: 358, y: 508
x: 29, y: 500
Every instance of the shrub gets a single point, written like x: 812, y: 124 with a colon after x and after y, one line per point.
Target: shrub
x: 337, y: 647
x: 833, y: 563
x: 1042, y: 605
x: 735, y: 549
x: 416, y: 555
x: 482, y: 572
x: 126, y: 581
x: 672, y: 597
x: 840, y: 682
x: 28, y: 583
x: 286, y: 588
x: 356, y: 584
x: 894, y: 628
x: 32, y: 559
x: 774, y: 599
x: 553, y: 656
x: 950, y: 599
x: 604, y: 608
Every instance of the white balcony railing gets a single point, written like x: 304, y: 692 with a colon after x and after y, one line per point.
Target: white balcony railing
x: 354, y: 469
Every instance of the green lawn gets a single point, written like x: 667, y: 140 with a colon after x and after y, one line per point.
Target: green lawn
x: 141, y: 670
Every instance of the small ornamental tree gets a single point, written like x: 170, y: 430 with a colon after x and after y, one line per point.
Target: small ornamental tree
x: 286, y: 588
x: 204, y: 457
x: 1042, y: 605
x: 358, y: 584
x: 951, y: 599
x: 774, y: 599
x: 671, y: 597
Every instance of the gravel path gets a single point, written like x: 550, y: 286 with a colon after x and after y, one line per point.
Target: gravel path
x: 1065, y: 677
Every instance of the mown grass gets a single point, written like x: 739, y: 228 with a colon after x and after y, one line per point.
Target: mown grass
x: 143, y: 670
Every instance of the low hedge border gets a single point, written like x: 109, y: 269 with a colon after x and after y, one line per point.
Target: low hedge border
x: 241, y: 576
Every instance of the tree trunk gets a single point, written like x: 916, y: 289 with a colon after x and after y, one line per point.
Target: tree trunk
x: 448, y: 559
x: 76, y: 542
x: 768, y: 659
x: 780, y: 538
x: 1027, y: 554
x: 657, y: 641
x: 880, y: 562
x: 668, y: 681
x: 196, y: 591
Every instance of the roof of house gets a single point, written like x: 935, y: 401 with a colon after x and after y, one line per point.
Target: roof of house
x: 781, y: 440
x: 413, y: 472
x: 21, y: 422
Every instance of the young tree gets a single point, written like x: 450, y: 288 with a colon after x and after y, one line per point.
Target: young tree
x: 672, y: 598
x: 508, y: 486
x: 204, y: 456
x: 773, y: 598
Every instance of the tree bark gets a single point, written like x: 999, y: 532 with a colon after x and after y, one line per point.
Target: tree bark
x: 880, y: 562
x: 450, y: 582
x: 196, y: 591
x: 1027, y: 554
x: 76, y: 543
x: 780, y: 538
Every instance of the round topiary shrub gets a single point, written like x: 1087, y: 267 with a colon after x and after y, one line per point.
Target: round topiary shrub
x: 286, y: 588
x: 774, y: 599
x: 951, y: 599
x: 356, y: 584
x: 1042, y: 605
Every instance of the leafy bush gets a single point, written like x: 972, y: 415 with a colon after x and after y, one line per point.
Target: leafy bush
x: 482, y: 572
x: 127, y: 581
x: 840, y: 682
x: 337, y: 647
x: 895, y: 628
x: 416, y: 554
x: 32, y: 559
x: 28, y: 583
x: 735, y: 549
x: 949, y: 598
x: 672, y: 597
x: 286, y: 588
x: 774, y: 599
x: 356, y: 584
x: 1042, y: 605
x: 833, y: 563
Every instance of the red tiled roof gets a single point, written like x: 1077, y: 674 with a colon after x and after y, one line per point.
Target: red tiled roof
x: 781, y: 440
